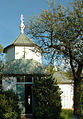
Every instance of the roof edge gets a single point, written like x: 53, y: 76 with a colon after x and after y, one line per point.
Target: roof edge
x: 5, y: 49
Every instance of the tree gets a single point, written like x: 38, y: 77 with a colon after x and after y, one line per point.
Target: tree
x: 47, y: 97
x: 50, y: 69
x: 1, y: 49
x: 59, y: 33
x: 82, y: 98
x: 9, y: 108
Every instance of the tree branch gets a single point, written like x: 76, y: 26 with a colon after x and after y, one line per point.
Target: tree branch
x: 71, y: 62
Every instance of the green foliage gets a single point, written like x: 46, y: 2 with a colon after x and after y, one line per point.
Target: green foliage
x: 47, y: 98
x: 82, y: 98
x: 9, y: 108
x: 1, y: 48
x: 59, y: 32
x: 50, y: 69
x: 66, y: 114
x: 0, y: 65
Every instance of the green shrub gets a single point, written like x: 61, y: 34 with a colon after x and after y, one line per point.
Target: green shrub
x: 9, y: 108
x: 82, y: 98
x: 47, y: 99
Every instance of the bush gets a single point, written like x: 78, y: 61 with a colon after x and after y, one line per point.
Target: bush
x: 9, y: 108
x: 47, y: 99
x: 82, y: 98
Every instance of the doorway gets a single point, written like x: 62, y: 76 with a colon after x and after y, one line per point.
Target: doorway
x: 28, y: 99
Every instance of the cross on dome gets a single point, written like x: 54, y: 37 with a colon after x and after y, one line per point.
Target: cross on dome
x: 22, y: 26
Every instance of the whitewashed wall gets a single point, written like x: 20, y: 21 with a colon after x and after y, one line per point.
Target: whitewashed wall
x: 10, y: 54
x: 67, y: 95
x: 9, y: 83
x: 29, y: 53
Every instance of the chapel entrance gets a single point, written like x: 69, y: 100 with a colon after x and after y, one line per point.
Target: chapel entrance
x: 24, y: 92
x: 28, y: 99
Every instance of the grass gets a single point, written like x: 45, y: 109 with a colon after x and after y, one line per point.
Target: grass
x: 66, y: 114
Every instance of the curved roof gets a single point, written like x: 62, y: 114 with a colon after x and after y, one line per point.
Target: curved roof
x: 23, y: 66
x: 21, y: 40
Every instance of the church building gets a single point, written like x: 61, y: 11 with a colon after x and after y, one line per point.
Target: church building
x: 23, y: 64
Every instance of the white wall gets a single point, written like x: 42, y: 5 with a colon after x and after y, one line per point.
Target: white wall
x: 29, y: 53
x: 19, y: 52
x: 9, y: 83
x: 67, y: 95
x: 10, y: 54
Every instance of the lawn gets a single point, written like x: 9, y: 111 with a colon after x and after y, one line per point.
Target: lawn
x: 66, y: 114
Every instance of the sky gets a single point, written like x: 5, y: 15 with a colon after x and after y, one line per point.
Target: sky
x: 10, y: 12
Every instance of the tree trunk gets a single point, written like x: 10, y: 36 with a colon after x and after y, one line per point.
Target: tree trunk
x: 77, y: 103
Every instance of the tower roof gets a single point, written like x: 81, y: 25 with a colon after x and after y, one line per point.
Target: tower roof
x: 22, y: 39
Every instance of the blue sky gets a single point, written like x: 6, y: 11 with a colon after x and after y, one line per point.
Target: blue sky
x: 10, y: 11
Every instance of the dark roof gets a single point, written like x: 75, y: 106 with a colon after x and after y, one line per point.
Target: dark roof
x: 61, y: 78
x: 21, y: 40
x: 23, y: 66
